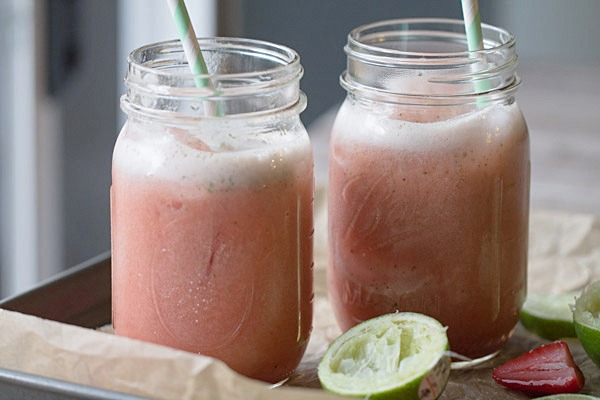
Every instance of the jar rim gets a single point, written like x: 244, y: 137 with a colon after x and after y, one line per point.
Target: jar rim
x: 283, y: 56
x: 245, y: 76
x: 428, y: 58
x: 454, y: 29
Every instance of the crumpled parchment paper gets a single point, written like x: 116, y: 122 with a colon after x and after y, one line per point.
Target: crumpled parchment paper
x: 564, y: 256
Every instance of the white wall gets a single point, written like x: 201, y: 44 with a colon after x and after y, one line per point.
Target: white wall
x: 29, y: 206
x: 56, y: 148
x: 556, y: 31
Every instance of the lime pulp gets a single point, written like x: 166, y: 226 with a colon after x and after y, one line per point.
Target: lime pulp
x: 586, y: 316
x: 400, y: 355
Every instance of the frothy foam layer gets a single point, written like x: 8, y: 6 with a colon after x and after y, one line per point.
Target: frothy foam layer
x: 219, y: 161
x: 393, y: 132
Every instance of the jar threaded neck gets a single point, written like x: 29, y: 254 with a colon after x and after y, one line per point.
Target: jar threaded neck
x: 247, y: 77
x: 428, y: 58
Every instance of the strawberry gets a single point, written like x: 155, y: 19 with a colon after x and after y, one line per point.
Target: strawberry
x: 548, y: 369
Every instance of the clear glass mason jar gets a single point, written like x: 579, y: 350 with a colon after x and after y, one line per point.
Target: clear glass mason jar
x: 429, y: 182
x: 212, y: 206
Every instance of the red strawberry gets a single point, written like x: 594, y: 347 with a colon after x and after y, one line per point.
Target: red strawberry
x: 548, y: 369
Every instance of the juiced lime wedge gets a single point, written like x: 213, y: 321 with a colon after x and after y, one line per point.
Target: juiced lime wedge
x: 569, y: 396
x: 549, y: 315
x: 394, y: 356
x: 586, y: 315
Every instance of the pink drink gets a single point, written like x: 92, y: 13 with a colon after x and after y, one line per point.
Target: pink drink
x: 212, y: 250
x: 431, y: 217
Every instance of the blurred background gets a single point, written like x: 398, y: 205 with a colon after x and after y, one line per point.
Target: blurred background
x: 61, y: 74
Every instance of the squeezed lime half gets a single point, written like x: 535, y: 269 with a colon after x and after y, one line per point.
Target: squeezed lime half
x: 586, y: 317
x: 394, y: 356
x: 549, y: 315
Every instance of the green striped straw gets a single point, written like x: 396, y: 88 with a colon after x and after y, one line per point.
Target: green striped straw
x: 474, y: 33
x: 189, y: 41
x: 472, y: 19
x: 187, y: 35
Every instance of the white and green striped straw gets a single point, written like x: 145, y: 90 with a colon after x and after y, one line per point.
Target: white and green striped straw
x: 189, y: 41
x: 472, y: 19
x: 191, y: 48
x: 474, y: 33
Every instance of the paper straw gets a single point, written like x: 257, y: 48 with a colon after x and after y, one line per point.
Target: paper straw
x: 472, y: 25
x: 194, y: 57
x: 474, y: 34
x: 187, y: 35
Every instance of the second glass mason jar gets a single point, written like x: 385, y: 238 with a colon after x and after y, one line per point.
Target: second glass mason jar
x: 429, y: 182
x: 212, y: 206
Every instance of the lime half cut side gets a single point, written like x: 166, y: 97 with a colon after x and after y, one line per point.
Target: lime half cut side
x: 586, y: 316
x: 394, y: 356
x: 549, y: 315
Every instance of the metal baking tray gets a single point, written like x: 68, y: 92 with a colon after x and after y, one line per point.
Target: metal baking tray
x: 78, y: 296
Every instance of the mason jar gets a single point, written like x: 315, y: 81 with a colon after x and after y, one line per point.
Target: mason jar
x: 212, y: 206
x: 429, y: 182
